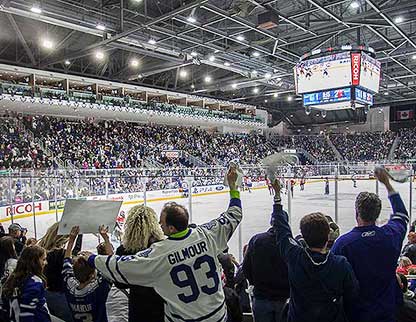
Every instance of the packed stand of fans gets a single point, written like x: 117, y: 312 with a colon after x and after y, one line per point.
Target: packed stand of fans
x: 406, y: 148
x: 165, y: 264
x: 112, y: 144
x: 18, y: 150
x: 316, y: 145
x: 369, y: 146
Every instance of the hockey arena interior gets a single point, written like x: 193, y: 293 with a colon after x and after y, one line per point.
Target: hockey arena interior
x: 207, y: 160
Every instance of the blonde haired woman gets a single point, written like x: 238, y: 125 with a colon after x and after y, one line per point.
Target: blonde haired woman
x: 54, y: 245
x: 142, y: 229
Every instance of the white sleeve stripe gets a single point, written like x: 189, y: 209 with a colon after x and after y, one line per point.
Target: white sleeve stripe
x: 26, y: 306
x: 26, y: 314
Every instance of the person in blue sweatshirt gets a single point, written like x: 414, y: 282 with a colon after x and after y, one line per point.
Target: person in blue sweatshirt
x: 24, y: 290
x: 321, y: 283
x: 86, y: 292
x: 373, y: 253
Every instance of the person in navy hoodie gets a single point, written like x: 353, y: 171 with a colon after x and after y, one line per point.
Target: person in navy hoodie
x: 373, y: 253
x: 321, y: 284
x: 24, y: 290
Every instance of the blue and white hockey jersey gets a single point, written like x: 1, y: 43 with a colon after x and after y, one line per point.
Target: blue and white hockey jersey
x: 30, y: 304
x: 183, y: 269
x: 87, y: 304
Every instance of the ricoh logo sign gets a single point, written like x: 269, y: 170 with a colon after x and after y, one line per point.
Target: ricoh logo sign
x: 23, y: 208
x: 355, y: 68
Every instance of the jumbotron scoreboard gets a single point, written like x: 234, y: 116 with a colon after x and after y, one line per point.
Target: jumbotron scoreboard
x: 338, y: 78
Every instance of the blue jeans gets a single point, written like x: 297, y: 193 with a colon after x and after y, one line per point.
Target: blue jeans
x: 58, y: 306
x: 267, y: 310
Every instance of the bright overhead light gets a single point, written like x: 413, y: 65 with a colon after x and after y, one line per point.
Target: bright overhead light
x: 255, y: 90
x: 386, y: 93
x: 275, y: 95
x: 414, y: 57
x: 67, y: 62
x: 265, y: 101
x: 138, y: 1
x: 194, y: 54
x: 289, y: 98
x: 227, y: 63
x: 355, y: 5
x: 100, y: 26
x: 36, y: 9
x: 398, y: 19
x: 152, y: 41
x: 234, y: 85
x: 256, y: 54
x: 183, y: 73
x: 47, y: 43
x: 208, y: 79
x: 140, y: 76
x: 240, y: 38
x: 134, y: 63
x: 99, y: 55
x: 191, y: 19
x: 192, y: 86
x: 267, y: 76
x: 211, y: 58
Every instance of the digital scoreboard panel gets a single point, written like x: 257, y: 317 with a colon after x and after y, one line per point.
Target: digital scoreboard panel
x: 370, y: 73
x: 329, y: 96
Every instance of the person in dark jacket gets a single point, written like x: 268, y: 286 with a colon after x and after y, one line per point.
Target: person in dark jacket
x: 266, y: 270
x: 373, y: 252
x: 141, y: 230
x: 321, y: 283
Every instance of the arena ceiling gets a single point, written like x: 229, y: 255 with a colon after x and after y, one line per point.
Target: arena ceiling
x: 212, y: 47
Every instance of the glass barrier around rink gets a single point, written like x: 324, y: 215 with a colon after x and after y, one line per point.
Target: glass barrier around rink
x: 35, y: 200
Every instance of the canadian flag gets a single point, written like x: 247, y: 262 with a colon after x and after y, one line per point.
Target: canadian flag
x: 405, y: 115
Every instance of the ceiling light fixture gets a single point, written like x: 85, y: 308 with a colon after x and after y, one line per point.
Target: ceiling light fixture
x: 355, y: 4
x: 99, y: 55
x: 255, y: 54
x: 47, y: 43
x: 398, y: 19
x: 255, y: 90
x: 211, y: 58
x: 275, y: 95
x: 134, y: 63
x: 234, y: 85
x: 289, y: 98
x: 183, y: 73
x: 208, y: 79
x: 191, y: 19
x: 100, y: 26
x: 67, y: 62
x: 36, y: 9
x: 152, y: 41
x: 267, y: 76
x: 194, y: 54
x: 240, y: 38
x: 227, y: 64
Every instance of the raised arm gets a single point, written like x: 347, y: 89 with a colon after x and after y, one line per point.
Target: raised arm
x: 222, y: 228
x: 107, y: 244
x: 287, y: 245
x: 72, y: 236
x: 400, y: 217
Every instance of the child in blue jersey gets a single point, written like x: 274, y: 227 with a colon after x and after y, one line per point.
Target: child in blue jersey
x: 86, y: 292
x: 24, y: 290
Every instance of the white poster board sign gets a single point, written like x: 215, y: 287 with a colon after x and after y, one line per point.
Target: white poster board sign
x: 88, y: 215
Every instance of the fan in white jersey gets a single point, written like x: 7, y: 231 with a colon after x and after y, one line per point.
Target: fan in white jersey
x: 183, y: 268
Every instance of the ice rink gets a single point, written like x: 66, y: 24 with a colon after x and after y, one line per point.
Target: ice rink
x: 257, y: 207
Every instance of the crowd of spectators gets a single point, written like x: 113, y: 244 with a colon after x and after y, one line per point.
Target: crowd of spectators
x: 369, y: 146
x: 406, y: 148
x: 315, y: 145
x: 161, y: 267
